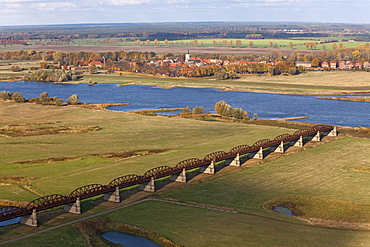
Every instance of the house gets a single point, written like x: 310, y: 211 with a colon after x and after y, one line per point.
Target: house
x: 325, y: 65
x: 333, y: 64
x: 97, y: 64
x: 342, y: 65
x: 303, y: 64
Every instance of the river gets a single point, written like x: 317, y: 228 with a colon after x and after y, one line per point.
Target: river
x: 267, y: 106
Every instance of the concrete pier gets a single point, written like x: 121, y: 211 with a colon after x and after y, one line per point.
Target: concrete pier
x: 297, y: 143
x: 236, y: 161
x: 180, y: 177
x: 74, y: 208
x: 317, y: 137
x: 257, y: 155
x: 148, y: 187
x: 279, y: 148
x: 208, y: 169
x: 29, y: 220
x: 113, y: 196
x: 333, y: 132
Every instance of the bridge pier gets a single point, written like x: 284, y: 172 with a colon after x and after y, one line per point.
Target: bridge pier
x: 74, y: 208
x: 113, y: 196
x: 208, y: 169
x: 236, y: 161
x: 317, y: 137
x: 148, y: 187
x: 257, y: 155
x: 29, y: 220
x: 180, y: 177
x: 279, y: 148
x: 333, y: 132
x: 298, y: 142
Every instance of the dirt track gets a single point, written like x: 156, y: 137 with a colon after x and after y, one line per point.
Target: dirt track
x: 156, y: 49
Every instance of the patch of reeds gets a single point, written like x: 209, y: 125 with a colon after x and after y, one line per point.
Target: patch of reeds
x: 362, y: 169
x: 129, y: 154
x: 47, y: 160
x: 18, y: 131
x: 17, y: 180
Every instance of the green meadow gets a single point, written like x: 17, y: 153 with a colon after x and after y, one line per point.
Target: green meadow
x: 180, y: 138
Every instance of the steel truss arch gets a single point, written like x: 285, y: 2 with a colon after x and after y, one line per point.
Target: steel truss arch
x: 302, y: 132
x: 239, y: 149
x: 158, y: 172
x: 187, y: 163
x: 213, y: 156
x: 322, y: 127
x: 283, y: 137
x: 123, y: 181
x: 88, y: 191
x: 263, y: 143
x: 46, y: 202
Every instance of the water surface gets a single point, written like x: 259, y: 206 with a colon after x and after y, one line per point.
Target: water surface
x: 128, y: 240
x: 267, y: 106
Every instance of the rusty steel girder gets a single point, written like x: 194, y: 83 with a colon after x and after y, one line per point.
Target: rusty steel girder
x: 187, y: 163
x: 88, y: 191
x: 46, y: 202
x: 160, y: 171
x: 124, y: 181
x: 212, y: 156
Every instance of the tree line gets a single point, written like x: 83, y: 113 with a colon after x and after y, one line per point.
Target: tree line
x: 43, y: 99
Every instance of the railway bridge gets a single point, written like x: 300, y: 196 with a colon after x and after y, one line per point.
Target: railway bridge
x: 178, y: 173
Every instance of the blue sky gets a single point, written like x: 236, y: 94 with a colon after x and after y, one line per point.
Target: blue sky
x: 29, y: 12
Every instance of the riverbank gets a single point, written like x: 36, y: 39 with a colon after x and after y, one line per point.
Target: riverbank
x: 308, y: 83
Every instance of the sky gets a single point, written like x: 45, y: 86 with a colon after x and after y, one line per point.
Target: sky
x: 43, y: 12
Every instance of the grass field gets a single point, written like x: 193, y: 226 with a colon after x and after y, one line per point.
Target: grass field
x: 190, y: 226
x: 183, y: 138
x: 299, y: 43
x: 323, y: 181
x: 315, y: 82
x: 313, y: 173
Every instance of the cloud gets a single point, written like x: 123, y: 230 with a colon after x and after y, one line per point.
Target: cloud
x: 124, y: 2
x: 50, y: 6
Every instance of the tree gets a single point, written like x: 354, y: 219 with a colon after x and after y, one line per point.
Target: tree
x: 238, y: 43
x: 15, y: 68
x: 73, y: 99
x: 186, y: 110
x: 198, y: 110
x: 18, y: 97
x: 220, y: 106
x: 250, y: 43
x: 291, y: 45
x: 44, y: 98
x: 57, y: 101
x: 92, y: 69
x: 5, y: 95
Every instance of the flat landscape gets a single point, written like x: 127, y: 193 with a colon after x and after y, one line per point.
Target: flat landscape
x: 49, y: 149
x: 331, y: 193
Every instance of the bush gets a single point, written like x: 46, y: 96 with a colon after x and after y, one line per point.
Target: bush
x: 15, y: 68
x: 73, y: 99
x: 5, y: 95
x: 57, y: 101
x: 44, y: 98
x: 18, y: 97
x: 198, y: 110
x: 225, y: 110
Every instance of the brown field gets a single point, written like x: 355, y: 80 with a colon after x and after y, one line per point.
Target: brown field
x: 175, y: 50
